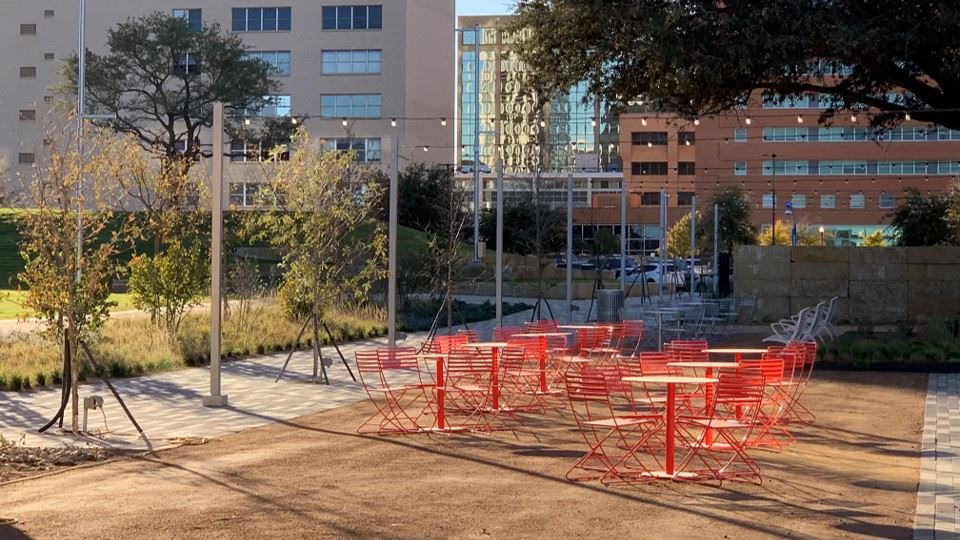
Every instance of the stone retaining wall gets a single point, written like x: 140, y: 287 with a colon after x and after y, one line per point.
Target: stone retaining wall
x: 875, y: 285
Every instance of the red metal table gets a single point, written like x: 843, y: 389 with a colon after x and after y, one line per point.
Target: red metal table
x: 671, y: 381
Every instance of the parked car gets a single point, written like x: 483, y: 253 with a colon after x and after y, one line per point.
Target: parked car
x: 561, y: 262
x: 651, y: 274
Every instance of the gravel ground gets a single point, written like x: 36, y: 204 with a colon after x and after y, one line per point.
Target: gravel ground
x: 852, y: 475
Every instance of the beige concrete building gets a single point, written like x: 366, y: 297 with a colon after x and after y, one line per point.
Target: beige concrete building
x: 384, y: 69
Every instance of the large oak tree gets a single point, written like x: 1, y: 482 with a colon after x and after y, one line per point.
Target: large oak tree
x: 699, y: 57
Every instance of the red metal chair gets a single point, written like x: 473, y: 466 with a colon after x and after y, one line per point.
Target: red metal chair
x: 542, y: 326
x: 717, y: 442
x: 467, y: 392
x: 471, y: 335
x: 615, y: 442
x: 632, y: 338
x: 770, y: 430
x: 503, y: 333
x: 688, y: 350
x: 520, y: 377
x: 444, y: 344
x: 397, y: 388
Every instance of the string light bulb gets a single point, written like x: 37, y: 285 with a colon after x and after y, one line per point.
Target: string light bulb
x: 393, y: 122
x: 344, y: 122
x: 593, y: 122
x: 799, y: 119
x: 443, y: 122
x: 748, y: 121
x: 643, y: 121
x: 294, y: 120
x: 246, y: 121
x: 696, y: 121
x: 649, y: 144
x: 426, y: 148
x: 543, y: 123
x: 853, y: 118
x: 906, y: 117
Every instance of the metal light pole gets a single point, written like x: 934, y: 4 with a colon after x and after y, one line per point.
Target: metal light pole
x: 216, y: 399
x: 392, y: 240
x: 693, y: 241
x: 716, y: 250
x: 623, y: 235
x: 499, y: 240
x: 81, y: 98
x: 773, y: 204
x: 569, y: 247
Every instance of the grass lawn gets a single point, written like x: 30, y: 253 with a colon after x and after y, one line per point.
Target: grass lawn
x: 11, y: 304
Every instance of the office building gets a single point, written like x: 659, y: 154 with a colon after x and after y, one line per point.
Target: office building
x: 385, y: 70
x: 572, y: 131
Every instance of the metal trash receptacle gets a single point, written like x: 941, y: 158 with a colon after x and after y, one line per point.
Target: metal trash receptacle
x: 610, y: 305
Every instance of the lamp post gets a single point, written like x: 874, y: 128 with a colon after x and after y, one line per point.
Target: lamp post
x: 773, y: 203
x: 821, y: 230
x: 476, y: 138
x: 789, y: 212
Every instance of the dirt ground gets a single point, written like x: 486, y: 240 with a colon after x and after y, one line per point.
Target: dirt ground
x: 854, y: 474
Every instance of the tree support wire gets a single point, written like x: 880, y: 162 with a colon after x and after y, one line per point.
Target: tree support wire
x: 315, y: 349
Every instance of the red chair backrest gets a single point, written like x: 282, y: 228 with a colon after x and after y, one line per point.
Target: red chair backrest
x: 592, y: 338
x: 397, y: 358
x: 655, y: 363
x: 503, y: 333
x: 586, y: 385
x: 633, y: 329
x: 471, y: 335
x: 445, y: 344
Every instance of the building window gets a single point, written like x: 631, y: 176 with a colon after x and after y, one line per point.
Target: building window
x: 48, y: 13
x: 48, y: 99
x: 350, y: 106
x: 799, y: 200
x: 768, y: 200
x: 786, y: 167
x: 857, y: 200
x: 352, y: 61
x: 353, y: 17
x: 244, y: 193
x: 261, y: 19
x: 365, y: 150
x: 48, y: 56
x: 28, y: 72
x: 272, y: 107
x: 648, y: 168
x: 740, y: 135
x: 26, y: 158
x: 28, y: 29
x: 887, y: 200
x: 785, y: 134
x: 278, y: 60
x: 244, y: 151
x: 647, y: 138
x: 740, y: 168
x: 686, y: 168
x: 687, y: 138
x: 685, y: 198
x: 193, y: 17
x: 650, y: 198
x: 843, y: 167
x: 28, y: 115
x: 187, y: 64
x: 902, y: 167
x: 828, y: 201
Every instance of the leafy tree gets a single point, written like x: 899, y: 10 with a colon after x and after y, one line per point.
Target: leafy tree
x: 953, y: 211
x: 702, y: 56
x: 806, y: 235
x: 875, y: 239
x: 922, y: 221
x: 734, y: 227
x: 520, y: 227
x: 169, y: 283
x: 320, y: 212
x: 160, y: 79
x: 678, y: 237
x: 74, y: 310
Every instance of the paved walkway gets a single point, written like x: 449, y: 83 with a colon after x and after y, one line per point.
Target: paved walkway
x: 938, y: 496
x: 167, y: 405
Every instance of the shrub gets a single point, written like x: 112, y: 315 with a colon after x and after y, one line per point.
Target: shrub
x: 166, y: 285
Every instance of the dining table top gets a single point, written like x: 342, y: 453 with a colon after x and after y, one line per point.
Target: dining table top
x: 487, y: 345
x: 734, y: 350
x: 706, y: 365
x: 671, y: 379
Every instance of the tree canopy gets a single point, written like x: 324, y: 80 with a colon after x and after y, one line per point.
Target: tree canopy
x: 734, y: 227
x: 922, y: 221
x: 701, y: 56
x: 160, y: 78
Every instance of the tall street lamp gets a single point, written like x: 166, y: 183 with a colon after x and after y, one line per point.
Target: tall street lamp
x: 789, y: 212
x: 821, y: 235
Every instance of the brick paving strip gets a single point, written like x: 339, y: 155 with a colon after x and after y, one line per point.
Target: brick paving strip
x: 938, y: 495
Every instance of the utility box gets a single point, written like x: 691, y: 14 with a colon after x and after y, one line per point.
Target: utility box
x: 609, y: 305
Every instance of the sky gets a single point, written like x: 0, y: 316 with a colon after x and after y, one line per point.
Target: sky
x: 484, y: 7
